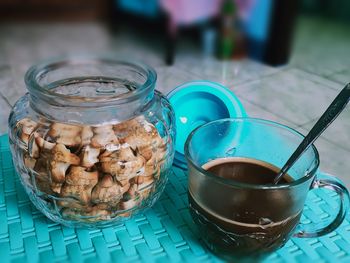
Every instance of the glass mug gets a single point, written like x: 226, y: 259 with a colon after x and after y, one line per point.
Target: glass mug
x: 244, y: 221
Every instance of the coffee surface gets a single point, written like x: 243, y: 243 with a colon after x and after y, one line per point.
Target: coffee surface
x: 245, y: 170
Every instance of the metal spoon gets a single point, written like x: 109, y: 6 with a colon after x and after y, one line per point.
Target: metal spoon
x: 332, y: 112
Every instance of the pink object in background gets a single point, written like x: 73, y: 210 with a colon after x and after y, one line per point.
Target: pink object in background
x: 190, y: 11
x: 244, y: 8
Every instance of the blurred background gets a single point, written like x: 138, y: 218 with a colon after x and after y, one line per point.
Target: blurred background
x: 286, y: 60
x: 228, y: 29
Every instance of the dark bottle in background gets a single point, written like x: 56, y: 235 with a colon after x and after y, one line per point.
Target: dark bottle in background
x: 279, y: 40
x: 268, y: 28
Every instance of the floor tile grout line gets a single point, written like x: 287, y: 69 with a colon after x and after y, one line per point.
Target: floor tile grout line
x: 323, y: 137
x: 308, y: 122
x: 6, y: 100
x: 336, y: 144
x: 284, y: 70
x: 320, y: 76
x: 337, y: 72
x: 247, y: 81
x: 337, y: 81
x: 250, y: 81
x: 265, y: 109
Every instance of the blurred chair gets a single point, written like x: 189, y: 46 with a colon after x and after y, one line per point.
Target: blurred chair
x: 182, y: 13
x: 147, y: 8
x: 173, y: 15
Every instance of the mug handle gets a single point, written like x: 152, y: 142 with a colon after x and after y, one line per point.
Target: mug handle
x: 328, y: 183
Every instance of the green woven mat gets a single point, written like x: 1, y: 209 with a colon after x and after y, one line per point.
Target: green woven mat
x: 164, y: 233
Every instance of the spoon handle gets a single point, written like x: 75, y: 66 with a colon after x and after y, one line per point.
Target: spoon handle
x: 332, y: 112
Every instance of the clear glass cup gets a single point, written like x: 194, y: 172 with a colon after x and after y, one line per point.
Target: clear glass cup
x: 92, y: 141
x: 245, y: 221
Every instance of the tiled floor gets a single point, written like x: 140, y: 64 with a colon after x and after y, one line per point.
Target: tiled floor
x: 290, y: 94
x: 322, y: 47
x: 296, y: 94
x: 230, y: 73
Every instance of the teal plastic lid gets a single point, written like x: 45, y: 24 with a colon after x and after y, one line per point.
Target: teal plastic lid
x: 199, y: 102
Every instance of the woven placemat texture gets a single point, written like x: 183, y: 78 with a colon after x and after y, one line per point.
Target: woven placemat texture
x: 164, y: 233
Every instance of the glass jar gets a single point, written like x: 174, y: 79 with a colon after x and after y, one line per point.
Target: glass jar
x: 92, y: 141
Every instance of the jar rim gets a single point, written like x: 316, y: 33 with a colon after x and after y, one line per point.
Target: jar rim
x: 34, y: 73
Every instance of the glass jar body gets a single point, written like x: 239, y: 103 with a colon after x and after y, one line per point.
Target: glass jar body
x: 96, y: 163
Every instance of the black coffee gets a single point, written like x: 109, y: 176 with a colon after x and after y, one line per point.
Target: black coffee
x: 239, y: 221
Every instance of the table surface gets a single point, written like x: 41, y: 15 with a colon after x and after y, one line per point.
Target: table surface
x: 164, y: 233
